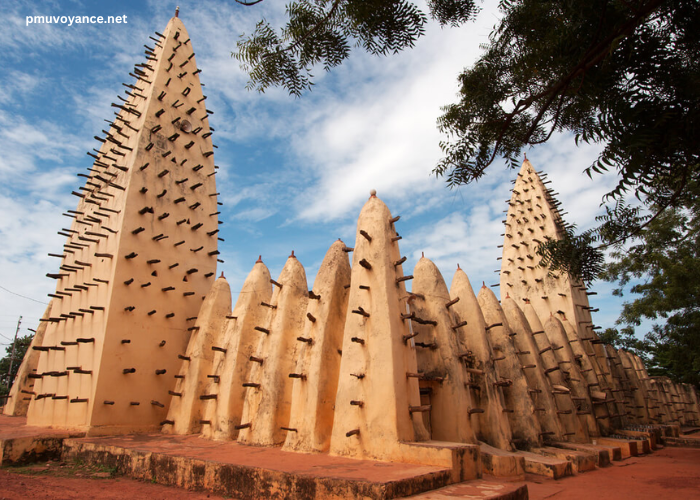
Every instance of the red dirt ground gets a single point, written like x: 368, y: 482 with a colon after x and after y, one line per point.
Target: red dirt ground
x: 15, y: 486
x: 671, y: 473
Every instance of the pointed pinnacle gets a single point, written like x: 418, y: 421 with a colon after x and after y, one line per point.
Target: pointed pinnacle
x: 259, y: 261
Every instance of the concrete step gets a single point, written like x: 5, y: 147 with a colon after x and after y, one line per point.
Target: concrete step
x: 581, y: 461
x: 649, y: 437
x: 643, y: 446
x: 545, y: 466
x: 21, y: 444
x: 670, y: 430
x: 481, y: 489
x: 627, y: 448
x: 614, y: 452
x: 683, y: 441
x: 603, y: 455
x: 501, y: 463
x: 640, y: 436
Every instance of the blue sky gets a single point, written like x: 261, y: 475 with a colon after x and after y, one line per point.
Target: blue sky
x: 294, y: 172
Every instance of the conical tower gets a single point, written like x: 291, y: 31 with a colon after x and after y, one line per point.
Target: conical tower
x: 558, y: 378
x: 268, y: 400
x: 438, y: 353
x: 377, y: 407
x: 575, y: 380
x: 320, y: 350
x: 240, y: 343
x: 193, y: 391
x: 140, y: 254
x: 541, y: 390
x: 533, y: 216
x: 519, y: 405
x: 490, y: 422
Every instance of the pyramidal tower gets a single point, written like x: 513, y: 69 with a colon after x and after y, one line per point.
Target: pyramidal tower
x: 140, y: 254
x: 378, y: 400
x: 533, y: 216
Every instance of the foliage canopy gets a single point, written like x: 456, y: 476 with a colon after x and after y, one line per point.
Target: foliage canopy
x: 662, y: 272
x: 622, y: 73
x: 321, y: 32
x: 6, y: 377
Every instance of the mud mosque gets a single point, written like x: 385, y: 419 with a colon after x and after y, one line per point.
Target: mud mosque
x: 142, y: 337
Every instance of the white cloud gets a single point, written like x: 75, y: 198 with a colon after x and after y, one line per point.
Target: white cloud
x: 253, y: 215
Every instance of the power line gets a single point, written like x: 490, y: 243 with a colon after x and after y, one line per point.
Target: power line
x: 23, y: 296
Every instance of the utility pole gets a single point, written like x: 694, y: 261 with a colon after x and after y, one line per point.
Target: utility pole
x: 12, y: 356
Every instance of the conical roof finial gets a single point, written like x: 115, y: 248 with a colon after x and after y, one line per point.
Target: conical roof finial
x: 259, y: 261
x: 373, y: 193
x: 292, y: 256
x: 177, y: 11
x: 222, y: 275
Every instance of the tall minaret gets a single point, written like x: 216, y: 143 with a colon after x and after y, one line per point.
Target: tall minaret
x: 140, y: 254
x: 533, y: 216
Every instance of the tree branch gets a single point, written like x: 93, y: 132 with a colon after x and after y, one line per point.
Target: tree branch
x: 310, y: 32
x: 670, y: 202
x: 592, y: 57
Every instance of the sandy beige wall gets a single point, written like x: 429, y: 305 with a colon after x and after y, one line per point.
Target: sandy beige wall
x: 319, y: 355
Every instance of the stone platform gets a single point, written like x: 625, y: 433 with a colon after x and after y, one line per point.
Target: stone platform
x: 239, y: 471
x: 20, y: 443
x: 231, y: 469
x: 685, y: 441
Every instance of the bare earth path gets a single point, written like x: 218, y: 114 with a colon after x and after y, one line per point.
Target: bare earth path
x: 670, y: 473
x: 59, y: 481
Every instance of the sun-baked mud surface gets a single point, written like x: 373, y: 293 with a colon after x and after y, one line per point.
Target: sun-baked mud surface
x: 666, y: 473
x: 67, y: 481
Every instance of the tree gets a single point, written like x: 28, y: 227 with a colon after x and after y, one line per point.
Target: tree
x: 623, y: 73
x: 320, y: 32
x: 662, y: 270
x: 20, y: 350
